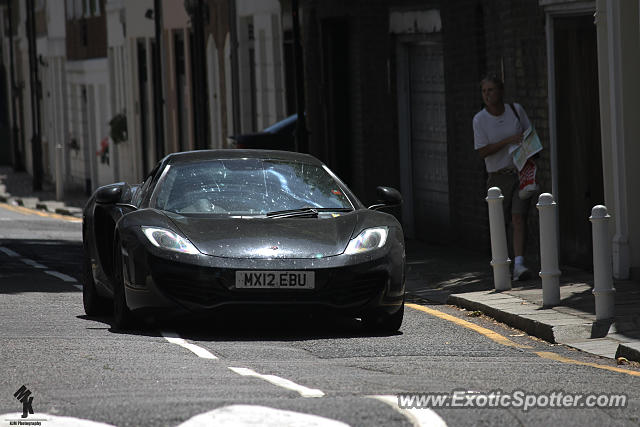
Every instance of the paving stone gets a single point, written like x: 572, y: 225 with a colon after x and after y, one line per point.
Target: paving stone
x: 626, y: 338
x: 601, y: 347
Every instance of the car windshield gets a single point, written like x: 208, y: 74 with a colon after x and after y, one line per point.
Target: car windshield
x: 248, y: 187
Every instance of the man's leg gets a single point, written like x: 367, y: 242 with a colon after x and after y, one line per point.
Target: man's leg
x: 518, y: 219
x: 518, y: 234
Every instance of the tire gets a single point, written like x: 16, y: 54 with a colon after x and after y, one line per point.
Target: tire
x: 384, y: 323
x: 123, y: 319
x: 94, y: 304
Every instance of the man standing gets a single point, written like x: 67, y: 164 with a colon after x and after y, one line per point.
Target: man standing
x: 496, y: 128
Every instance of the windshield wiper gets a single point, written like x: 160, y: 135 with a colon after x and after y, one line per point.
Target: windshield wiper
x: 307, y: 212
x: 290, y: 213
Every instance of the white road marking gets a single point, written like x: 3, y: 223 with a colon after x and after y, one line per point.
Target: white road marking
x: 49, y: 420
x: 8, y: 251
x: 418, y: 417
x: 61, y: 276
x: 280, y: 382
x: 36, y: 264
x: 174, y: 338
x: 32, y: 263
x: 254, y: 415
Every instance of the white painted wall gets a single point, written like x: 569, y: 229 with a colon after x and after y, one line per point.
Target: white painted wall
x: 136, y: 23
x: 93, y: 74
x: 213, y: 84
x: 174, y: 15
x: 619, y: 66
x: 269, y: 63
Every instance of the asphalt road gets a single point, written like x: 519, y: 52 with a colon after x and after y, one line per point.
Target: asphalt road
x: 266, y: 368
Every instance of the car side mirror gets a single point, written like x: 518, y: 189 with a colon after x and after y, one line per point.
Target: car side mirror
x: 113, y: 193
x: 388, y: 197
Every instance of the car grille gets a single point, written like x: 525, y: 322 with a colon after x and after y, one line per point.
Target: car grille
x: 208, y: 287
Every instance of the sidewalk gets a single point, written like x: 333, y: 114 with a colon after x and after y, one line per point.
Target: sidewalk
x: 465, y: 278
x: 16, y: 188
x: 450, y: 275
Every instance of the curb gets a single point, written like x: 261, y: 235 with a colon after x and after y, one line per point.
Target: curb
x: 530, y: 326
x: 560, y: 328
x: 75, y: 212
x: 630, y: 351
x: 47, y: 206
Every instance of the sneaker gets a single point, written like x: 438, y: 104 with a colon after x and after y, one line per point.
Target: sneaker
x: 520, y: 272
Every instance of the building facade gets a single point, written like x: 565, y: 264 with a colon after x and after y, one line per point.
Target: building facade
x: 391, y: 87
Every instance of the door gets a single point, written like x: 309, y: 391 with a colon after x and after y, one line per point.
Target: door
x: 580, y: 185
x: 336, y: 74
x: 428, y: 139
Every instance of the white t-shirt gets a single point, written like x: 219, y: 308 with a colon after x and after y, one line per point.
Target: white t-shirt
x: 489, y: 129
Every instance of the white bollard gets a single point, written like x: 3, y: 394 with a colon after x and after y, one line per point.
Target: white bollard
x: 549, y: 271
x: 500, y: 255
x: 602, y: 264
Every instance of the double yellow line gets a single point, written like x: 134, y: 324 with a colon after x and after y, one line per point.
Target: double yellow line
x: 492, y: 335
x: 27, y: 211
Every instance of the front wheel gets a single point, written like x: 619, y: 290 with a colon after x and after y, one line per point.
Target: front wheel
x: 123, y: 319
x: 94, y: 304
x: 383, y: 322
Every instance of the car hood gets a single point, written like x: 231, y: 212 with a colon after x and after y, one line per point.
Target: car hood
x: 268, y: 237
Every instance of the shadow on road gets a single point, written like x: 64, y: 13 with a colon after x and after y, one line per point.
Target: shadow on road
x: 26, y: 265
x: 247, y: 325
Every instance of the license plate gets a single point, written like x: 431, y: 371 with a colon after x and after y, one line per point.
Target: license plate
x: 275, y: 280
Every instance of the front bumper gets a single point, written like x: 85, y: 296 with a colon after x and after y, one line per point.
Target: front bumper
x: 195, y: 283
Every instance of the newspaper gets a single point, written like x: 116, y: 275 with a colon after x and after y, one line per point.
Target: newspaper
x: 529, y: 146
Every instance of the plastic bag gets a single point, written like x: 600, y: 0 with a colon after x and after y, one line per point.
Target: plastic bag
x: 528, y: 184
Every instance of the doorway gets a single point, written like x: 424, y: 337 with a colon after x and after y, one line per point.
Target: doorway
x: 337, y: 73
x: 578, y: 146
x: 423, y: 139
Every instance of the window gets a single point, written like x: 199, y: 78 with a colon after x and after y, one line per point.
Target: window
x: 248, y: 187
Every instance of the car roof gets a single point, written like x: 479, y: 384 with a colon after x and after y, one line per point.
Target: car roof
x: 282, y: 124
x: 201, y: 155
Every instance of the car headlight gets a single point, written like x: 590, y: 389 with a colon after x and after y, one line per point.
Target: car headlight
x: 367, y: 240
x: 167, y: 239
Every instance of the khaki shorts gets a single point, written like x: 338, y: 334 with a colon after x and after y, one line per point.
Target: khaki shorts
x: 509, y: 185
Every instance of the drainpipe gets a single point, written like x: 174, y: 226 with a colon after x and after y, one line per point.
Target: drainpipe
x: 158, y: 95
x: 16, y: 153
x: 196, y: 8
x: 235, y: 68
x: 36, y: 142
x: 301, y: 125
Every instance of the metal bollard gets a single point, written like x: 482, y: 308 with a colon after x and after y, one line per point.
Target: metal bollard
x: 602, y: 264
x: 500, y: 256
x: 549, y: 271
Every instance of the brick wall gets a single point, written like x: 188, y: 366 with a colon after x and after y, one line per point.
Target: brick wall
x: 494, y: 37
x: 479, y: 36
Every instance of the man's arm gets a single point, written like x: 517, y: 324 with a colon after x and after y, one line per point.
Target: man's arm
x: 490, y: 149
